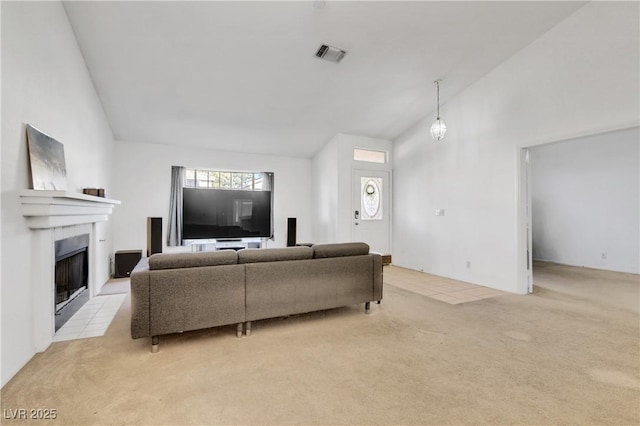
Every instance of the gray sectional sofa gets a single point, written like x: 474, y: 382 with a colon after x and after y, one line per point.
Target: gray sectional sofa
x: 188, y: 291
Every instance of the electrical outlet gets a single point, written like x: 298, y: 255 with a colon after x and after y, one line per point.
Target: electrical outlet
x: 468, y: 263
x: 439, y: 212
x: 604, y: 255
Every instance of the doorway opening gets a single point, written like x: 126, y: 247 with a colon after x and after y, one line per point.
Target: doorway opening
x: 579, y: 205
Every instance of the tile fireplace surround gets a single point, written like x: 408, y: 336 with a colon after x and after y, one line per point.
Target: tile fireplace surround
x: 53, y: 216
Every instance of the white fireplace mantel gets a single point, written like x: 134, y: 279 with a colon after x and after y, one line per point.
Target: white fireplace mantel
x: 51, y: 209
x: 54, y: 215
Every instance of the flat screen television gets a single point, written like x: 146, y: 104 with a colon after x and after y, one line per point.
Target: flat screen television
x: 220, y: 213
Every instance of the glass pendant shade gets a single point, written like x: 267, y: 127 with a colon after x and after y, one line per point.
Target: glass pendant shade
x: 438, y: 129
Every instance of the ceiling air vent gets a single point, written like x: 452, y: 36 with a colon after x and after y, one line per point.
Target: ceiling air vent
x: 330, y: 53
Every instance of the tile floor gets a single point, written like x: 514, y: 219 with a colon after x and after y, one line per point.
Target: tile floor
x: 435, y: 287
x: 92, y: 320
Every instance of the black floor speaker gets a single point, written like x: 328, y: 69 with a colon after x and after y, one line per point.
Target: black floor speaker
x: 291, y: 231
x: 125, y: 261
x: 154, y: 235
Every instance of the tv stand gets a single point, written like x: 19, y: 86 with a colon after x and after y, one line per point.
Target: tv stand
x: 225, y: 244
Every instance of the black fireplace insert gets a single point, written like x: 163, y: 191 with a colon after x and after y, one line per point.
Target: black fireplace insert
x: 71, y: 277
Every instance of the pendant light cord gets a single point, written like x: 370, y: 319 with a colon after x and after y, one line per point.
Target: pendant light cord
x: 438, y: 97
x: 438, y: 128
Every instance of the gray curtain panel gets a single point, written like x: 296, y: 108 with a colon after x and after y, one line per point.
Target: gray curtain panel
x: 269, y: 182
x: 174, y: 236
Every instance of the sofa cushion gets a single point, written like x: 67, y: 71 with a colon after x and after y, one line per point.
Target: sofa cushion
x: 192, y: 260
x: 338, y: 250
x: 274, y: 254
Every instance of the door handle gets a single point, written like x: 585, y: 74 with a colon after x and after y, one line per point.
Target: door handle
x: 356, y: 215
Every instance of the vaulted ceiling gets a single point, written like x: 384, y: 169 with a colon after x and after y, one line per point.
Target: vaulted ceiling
x: 243, y: 76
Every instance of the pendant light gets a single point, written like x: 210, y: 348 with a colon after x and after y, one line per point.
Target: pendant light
x: 438, y: 128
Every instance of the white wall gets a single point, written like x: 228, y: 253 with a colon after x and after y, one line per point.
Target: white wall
x: 324, y: 176
x: 579, y: 78
x: 143, y: 184
x: 585, y: 195
x: 45, y: 82
x: 332, y: 170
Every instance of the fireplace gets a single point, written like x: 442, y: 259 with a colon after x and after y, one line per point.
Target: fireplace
x: 53, y: 216
x: 71, y: 277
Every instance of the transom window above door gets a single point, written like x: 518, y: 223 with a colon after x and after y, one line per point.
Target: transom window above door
x: 369, y: 155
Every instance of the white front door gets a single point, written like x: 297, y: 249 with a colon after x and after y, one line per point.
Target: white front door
x: 371, y: 210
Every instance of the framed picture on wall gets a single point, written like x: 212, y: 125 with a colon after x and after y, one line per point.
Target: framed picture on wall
x: 46, y: 157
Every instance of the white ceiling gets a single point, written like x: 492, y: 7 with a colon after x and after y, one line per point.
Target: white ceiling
x: 242, y: 76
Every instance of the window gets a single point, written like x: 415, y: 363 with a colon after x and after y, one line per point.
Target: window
x: 226, y: 204
x: 195, y: 178
x: 370, y: 156
x: 371, y: 200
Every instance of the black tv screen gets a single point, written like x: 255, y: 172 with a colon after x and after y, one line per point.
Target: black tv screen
x: 220, y: 213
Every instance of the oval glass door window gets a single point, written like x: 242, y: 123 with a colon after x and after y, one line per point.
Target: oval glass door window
x: 371, y: 198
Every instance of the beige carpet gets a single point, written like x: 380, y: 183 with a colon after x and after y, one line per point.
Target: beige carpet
x: 566, y: 354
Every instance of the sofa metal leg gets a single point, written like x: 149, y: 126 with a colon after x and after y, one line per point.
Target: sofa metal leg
x: 379, y: 302
x: 247, y: 328
x: 155, y: 341
x: 367, y: 307
x: 239, y: 330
